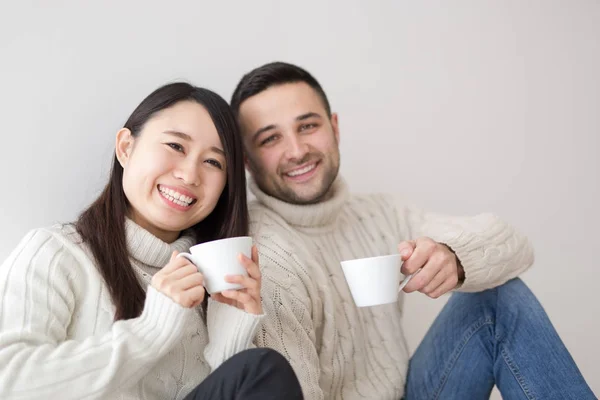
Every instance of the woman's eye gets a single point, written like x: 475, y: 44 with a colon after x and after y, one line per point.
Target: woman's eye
x: 215, y: 163
x: 176, y: 146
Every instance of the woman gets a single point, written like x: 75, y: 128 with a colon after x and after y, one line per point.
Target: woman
x: 76, y: 319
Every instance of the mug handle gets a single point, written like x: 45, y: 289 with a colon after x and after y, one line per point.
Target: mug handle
x: 407, y: 279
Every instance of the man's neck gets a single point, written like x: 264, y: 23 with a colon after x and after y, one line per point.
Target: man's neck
x: 323, y: 213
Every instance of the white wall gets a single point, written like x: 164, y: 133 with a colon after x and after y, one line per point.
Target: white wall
x: 478, y: 106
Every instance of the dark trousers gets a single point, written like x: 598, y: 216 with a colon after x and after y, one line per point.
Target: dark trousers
x: 261, y: 374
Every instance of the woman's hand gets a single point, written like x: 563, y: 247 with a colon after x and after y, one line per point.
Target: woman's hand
x: 248, y: 298
x: 180, y: 281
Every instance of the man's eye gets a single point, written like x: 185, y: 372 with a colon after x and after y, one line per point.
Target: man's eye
x: 268, y: 140
x: 305, y: 127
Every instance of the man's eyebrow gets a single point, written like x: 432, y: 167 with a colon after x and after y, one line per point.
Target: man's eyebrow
x: 307, y: 116
x: 261, y: 130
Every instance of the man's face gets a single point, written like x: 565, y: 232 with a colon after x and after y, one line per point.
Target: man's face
x: 292, y: 145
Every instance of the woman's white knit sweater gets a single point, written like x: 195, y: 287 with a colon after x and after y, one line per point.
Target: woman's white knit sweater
x: 58, y: 338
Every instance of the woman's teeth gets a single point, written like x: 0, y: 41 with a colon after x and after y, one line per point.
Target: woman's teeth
x: 302, y: 170
x: 176, y: 197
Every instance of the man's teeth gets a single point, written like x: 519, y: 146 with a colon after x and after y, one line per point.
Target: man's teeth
x: 176, y: 197
x: 302, y: 170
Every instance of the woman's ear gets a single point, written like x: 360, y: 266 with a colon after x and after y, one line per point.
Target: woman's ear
x: 123, y: 146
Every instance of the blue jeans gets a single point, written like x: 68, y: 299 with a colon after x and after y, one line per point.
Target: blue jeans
x: 499, y: 337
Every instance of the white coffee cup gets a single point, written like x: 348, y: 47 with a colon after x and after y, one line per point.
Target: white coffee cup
x: 218, y: 258
x: 375, y: 280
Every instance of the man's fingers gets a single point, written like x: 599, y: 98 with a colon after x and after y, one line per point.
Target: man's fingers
x: 436, y: 282
x: 406, y: 248
x: 447, y: 286
x: 423, y: 278
x: 420, y: 255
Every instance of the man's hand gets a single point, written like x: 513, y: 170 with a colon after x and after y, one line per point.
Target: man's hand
x: 441, y: 269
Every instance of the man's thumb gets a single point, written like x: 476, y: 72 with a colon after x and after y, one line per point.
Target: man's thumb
x: 406, y: 249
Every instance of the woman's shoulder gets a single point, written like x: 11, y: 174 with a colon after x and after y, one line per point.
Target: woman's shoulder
x: 58, y: 244
x: 64, y: 232
x: 57, y: 237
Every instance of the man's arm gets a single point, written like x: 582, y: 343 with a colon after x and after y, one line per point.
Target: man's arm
x: 488, y: 250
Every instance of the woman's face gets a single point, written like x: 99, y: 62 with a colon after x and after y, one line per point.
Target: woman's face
x: 174, y: 172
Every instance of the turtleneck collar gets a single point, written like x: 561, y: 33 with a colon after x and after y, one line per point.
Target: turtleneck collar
x: 150, y: 250
x: 316, y: 215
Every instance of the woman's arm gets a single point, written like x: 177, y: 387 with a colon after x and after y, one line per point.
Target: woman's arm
x: 38, y: 295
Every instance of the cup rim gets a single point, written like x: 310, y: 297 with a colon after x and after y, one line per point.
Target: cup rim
x: 217, y: 241
x: 370, y: 258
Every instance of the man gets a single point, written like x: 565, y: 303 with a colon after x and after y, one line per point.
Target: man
x: 305, y: 222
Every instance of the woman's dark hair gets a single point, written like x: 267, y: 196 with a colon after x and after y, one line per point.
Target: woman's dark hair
x: 102, y: 225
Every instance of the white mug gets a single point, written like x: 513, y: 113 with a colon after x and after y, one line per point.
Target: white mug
x: 375, y: 280
x: 218, y: 258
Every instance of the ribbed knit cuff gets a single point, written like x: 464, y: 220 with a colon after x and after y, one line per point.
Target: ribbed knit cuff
x: 230, y: 330
x: 162, y: 320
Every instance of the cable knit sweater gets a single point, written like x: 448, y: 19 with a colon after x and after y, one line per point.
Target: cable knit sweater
x: 336, y: 349
x: 58, y: 338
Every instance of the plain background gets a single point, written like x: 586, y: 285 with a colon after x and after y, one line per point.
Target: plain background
x: 464, y: 106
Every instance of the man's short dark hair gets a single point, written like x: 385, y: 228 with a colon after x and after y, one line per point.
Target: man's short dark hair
x: 272, y: 74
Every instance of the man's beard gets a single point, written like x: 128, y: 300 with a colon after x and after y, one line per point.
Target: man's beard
x: 278, y: 189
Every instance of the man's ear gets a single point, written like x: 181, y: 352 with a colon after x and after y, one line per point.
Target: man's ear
x: 248, y: 166
x: 123, y: 146
x: 335, y: 126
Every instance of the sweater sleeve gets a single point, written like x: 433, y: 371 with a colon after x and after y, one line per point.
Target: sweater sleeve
x: 230, y: 330
x: 38, y: 300
x: 288, y: 326
x: 490, y: 250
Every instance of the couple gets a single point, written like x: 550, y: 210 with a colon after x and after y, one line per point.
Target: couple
x: 103, y: 308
